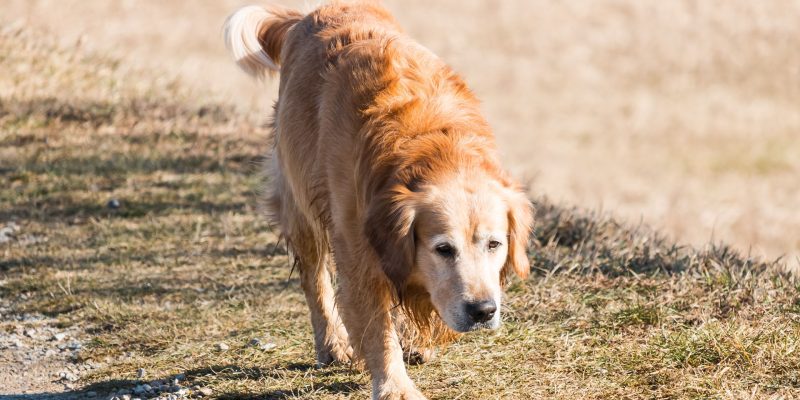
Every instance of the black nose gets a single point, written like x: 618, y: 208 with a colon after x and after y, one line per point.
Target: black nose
x: 481, y: 311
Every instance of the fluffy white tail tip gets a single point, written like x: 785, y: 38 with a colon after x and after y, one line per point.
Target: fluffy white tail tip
x: 241, y: 38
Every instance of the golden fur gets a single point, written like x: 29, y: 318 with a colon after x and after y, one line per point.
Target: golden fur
x: 380, y: 150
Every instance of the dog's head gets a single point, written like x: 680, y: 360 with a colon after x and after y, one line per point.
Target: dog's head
x: 456, y: 237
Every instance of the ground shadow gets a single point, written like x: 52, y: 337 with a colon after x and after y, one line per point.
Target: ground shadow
x: 97, y: 113
x: 321, y: 383
x: 101, y: 390
x: 73, y: 263
x: 65, y: 209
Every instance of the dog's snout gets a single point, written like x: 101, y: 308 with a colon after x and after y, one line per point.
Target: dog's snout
x: 481, y: 311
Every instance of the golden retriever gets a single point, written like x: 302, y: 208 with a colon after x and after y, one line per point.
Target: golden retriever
x: 383, y: 173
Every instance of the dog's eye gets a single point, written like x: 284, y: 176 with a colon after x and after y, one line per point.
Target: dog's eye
x: 494, y: 244
x: 446, y: 250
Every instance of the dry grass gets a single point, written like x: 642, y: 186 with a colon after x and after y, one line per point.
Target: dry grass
x: 186, y: 262
x: 680, y: 113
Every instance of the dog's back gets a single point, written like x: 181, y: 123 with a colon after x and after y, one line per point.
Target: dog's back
x: 260, y: 37
x: 341, y: 67
x: 304, y: 49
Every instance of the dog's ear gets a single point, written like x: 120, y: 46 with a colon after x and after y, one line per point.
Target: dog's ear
x: 520, y: 224
x: 390, y: 230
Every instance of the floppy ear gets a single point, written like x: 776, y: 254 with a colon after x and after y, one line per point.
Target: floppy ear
x: 390, y: 231
x: 520, y: 224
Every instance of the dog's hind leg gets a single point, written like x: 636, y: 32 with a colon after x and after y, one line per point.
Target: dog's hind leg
x: 330, y: 335
x: 313, y: 261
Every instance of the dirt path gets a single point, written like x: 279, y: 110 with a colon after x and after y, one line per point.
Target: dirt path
x: 36, y: 356
x: 40, y: 360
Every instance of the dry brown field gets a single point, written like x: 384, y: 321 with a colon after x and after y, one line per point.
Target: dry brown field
x: 682, y: 114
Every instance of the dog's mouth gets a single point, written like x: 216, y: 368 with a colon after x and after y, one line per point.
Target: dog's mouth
x: 474, y: 326
x: 463, y: 323
x: 484, y: 325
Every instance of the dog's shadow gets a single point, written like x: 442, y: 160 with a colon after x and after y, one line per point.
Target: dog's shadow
x: 328, y: 380
x: 324, y: 380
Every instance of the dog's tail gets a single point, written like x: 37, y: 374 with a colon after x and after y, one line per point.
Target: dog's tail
x: 254, y: 35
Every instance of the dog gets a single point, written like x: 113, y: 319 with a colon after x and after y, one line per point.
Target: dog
x: 383, y: 173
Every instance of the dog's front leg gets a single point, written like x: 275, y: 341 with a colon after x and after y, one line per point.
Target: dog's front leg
x: 366, y: 303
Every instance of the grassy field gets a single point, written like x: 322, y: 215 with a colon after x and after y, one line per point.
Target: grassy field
x: 131, y: 212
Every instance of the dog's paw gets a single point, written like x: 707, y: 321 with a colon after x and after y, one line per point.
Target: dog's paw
x: 338, y: 354
x: 418, y: 356
x: 407, y: 394
x: 396, y: 388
